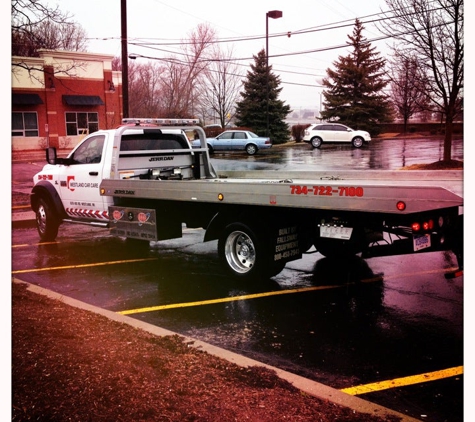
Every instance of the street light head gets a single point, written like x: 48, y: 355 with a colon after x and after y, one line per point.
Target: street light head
x: 274, y: 14
x: 132, y: 56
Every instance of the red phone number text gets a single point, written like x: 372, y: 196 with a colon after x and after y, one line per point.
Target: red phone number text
x: 327, y: 190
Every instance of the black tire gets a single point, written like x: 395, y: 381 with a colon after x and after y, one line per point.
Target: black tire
x: 251, y: 149
x: 245, y: 254
x: 210, y: 149
x: 357, y: 142
x: 316, y: 142
x: 47, y: 222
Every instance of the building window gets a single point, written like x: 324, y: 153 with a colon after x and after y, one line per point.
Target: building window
x: 81, y: 123
x: 24, y: 124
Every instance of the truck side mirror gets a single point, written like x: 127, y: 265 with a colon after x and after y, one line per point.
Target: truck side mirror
x: 51, y: 157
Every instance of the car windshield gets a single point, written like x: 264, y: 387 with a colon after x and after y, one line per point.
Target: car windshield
x: 253, y: 135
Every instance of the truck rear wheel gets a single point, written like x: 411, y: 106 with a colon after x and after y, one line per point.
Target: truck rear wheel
x: 47, y: 222
x: 244, y: 254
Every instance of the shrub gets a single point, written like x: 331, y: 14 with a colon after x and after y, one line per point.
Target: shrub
x: 298, y: 132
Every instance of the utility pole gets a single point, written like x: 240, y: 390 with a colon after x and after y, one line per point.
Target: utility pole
x: 125, y: 58
x: 274, y: 14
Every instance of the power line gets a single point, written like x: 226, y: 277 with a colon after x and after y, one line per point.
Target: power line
x: 336, y: 25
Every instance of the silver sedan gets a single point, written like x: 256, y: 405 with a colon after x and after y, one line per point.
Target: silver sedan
x: 236, y: 140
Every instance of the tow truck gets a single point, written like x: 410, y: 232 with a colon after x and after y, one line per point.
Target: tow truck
x: 144, y: 181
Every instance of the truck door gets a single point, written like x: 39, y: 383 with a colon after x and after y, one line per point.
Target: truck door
x: 79, y: 181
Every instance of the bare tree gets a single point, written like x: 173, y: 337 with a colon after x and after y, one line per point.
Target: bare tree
x: 35, y: 27
x: 409, y: 87
x: 180, y: 75
x: 175, y: 88
x: 144, y: 89
x: 219, y: 87
x: 433, y: 31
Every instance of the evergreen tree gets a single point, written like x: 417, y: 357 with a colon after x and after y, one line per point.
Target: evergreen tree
x: 354, y: 94
x: 252, y: 111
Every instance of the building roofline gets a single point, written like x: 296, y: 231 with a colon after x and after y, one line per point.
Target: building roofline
x: 76, y: 55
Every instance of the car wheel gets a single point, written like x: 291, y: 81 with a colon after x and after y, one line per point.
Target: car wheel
x: 47, y: 222
x: 210, y: 149
x: 251, y: 149
x: 357, y: 142
x: 316, y: 142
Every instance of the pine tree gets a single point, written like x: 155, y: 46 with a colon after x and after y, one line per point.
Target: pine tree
x: 354, y: 94
x: 252, y: 110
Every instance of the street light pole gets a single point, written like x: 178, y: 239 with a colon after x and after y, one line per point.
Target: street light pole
x: 274, y: 14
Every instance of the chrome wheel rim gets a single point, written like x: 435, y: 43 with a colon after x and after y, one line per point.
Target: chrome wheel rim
x: 240, y: 252
x: 41, y: 218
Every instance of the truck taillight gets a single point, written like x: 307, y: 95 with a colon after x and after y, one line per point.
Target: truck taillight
x: 428, y: 225
x: 415, y: 227
x: 424, y: 226
x: 401, y: 205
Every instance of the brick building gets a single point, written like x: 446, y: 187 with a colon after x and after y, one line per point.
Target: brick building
x: 63, y: 96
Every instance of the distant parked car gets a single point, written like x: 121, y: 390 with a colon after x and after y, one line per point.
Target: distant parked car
x: 236, y: 140
x: 213, y: 126
x: 320, y: 133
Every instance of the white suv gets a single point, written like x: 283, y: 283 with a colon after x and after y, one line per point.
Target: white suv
x: 319, y: 133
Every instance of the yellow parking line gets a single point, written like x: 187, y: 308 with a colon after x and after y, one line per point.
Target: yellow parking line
x: 220, y: 300
x: 26, y: 245
x: 242, y: 297
x: 402, y: 382
x: 69, y: 267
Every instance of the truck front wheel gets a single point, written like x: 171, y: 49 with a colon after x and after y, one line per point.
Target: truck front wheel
x: 47, y: 222
x: 243, y: 253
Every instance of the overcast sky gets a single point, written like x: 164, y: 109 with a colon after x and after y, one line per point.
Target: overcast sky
x: 296, y: 59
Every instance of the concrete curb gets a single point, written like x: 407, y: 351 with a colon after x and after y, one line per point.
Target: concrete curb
x: 23, y: 220
x: 310, y: 387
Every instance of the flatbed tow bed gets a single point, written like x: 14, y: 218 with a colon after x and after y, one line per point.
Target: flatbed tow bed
x: 295, y: 189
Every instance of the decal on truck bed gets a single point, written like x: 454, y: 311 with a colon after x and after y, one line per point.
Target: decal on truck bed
x: 286, y: 243
x: 161, y: 158
x: 327, y: 190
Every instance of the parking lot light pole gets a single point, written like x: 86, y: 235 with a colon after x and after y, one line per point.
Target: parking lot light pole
x: 274, y: 14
